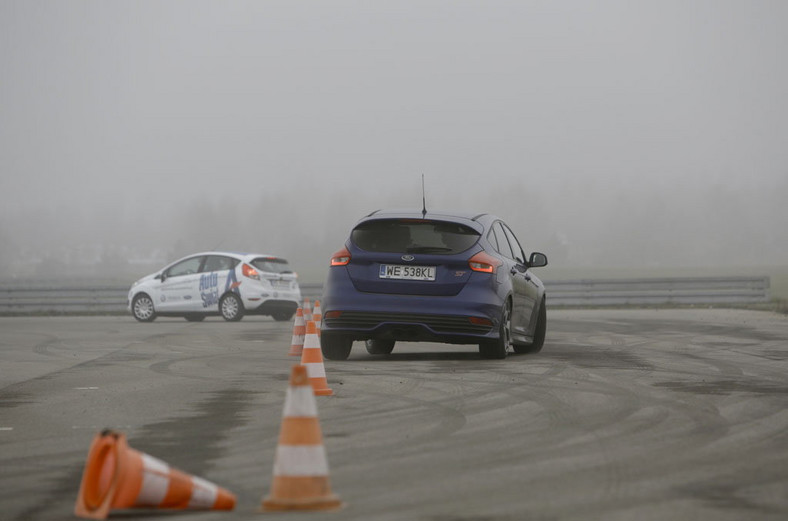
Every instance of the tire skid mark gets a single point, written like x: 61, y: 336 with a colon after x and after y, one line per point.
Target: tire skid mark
x: 699, y: 351
x: 726, y: 374
x: 615, y: 426
x: 121, y: 354
x: 625, y: 420
x: 438, y: 422
x: 164, y: 368
x: 43, y: 348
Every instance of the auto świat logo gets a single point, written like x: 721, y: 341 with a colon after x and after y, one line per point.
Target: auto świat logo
x: 407, y: 258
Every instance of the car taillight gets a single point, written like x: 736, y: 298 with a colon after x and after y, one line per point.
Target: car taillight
x: 484, y: 262
x: 250, y: 272
x: 340, y: 258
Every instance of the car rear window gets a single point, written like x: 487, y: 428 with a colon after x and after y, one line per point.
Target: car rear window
x: 272, y: 265
x: 413, y: 236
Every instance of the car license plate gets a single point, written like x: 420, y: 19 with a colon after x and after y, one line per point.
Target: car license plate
x: 396, y: 271
x: 282, y: 284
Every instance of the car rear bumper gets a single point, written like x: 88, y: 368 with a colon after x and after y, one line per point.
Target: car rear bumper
x: 272, y: 306
x: 407, y: 327
x: 447, y: 319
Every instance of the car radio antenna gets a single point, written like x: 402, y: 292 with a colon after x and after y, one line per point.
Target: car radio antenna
x: 423, y: 198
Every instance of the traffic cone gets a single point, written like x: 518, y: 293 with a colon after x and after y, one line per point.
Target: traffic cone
x: 312, y: 358
x: 317, y: 316
x: 118, y: 477
x: 300, y: 479
x: 307, y: 310
x: 299, y: 330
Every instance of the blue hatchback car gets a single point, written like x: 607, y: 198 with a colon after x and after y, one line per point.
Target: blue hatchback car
x: 412, y: 275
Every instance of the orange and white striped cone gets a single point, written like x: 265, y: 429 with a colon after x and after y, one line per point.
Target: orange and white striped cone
x: 119, y: 477
x: 317, y: 316
x: 312, y: 358
x: 300, y: 479
x: 307, y: 309
x: 299, y: 330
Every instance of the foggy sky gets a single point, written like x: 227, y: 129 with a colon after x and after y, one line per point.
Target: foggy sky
x: 627, y: 133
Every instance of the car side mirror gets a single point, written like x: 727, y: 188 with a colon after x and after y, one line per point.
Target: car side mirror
x: 537, y: 260
x: 161, y: 276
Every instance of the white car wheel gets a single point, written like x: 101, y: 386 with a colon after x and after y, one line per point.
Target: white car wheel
x: 142, y: 308
x: 231, y: 308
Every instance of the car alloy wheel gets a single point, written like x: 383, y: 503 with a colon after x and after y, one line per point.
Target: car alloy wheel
x: 498, y: 347
x: 539, y: 333
x: 142, y: 308
x: 231, y: 308
x: 506, y: 326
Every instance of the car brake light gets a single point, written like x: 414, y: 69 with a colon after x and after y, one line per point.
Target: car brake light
x: 250, y: 272
x: 484, y: 262
x: 340, y: 258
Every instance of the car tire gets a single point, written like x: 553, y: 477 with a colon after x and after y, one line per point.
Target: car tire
x: 231, y: 308
x: 194, y: 317
x: 142, y: 308
x: 539, y: 333
x: 498, y: 348
x: 376, y: 346
x: 282, y: 316
x: 335, y: 347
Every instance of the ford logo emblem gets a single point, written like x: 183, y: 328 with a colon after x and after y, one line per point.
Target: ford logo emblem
x: 407, y: 258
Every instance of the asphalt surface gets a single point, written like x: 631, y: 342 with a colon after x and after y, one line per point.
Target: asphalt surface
x: 625, y: 414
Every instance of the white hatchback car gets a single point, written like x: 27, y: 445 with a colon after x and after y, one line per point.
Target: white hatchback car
x: 223, y: 283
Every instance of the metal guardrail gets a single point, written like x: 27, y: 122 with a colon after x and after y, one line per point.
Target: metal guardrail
x: 72, y: 300
x: 66, y: 300
x: 567, y: 293
x: 659, y: 291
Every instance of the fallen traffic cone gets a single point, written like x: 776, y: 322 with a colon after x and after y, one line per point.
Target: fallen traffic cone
x: 307, y: 310
x: 312, y: 358
x: 317, y: 316
x: 300, y: 467
x: 118, y: 477
x: 299, y: 330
